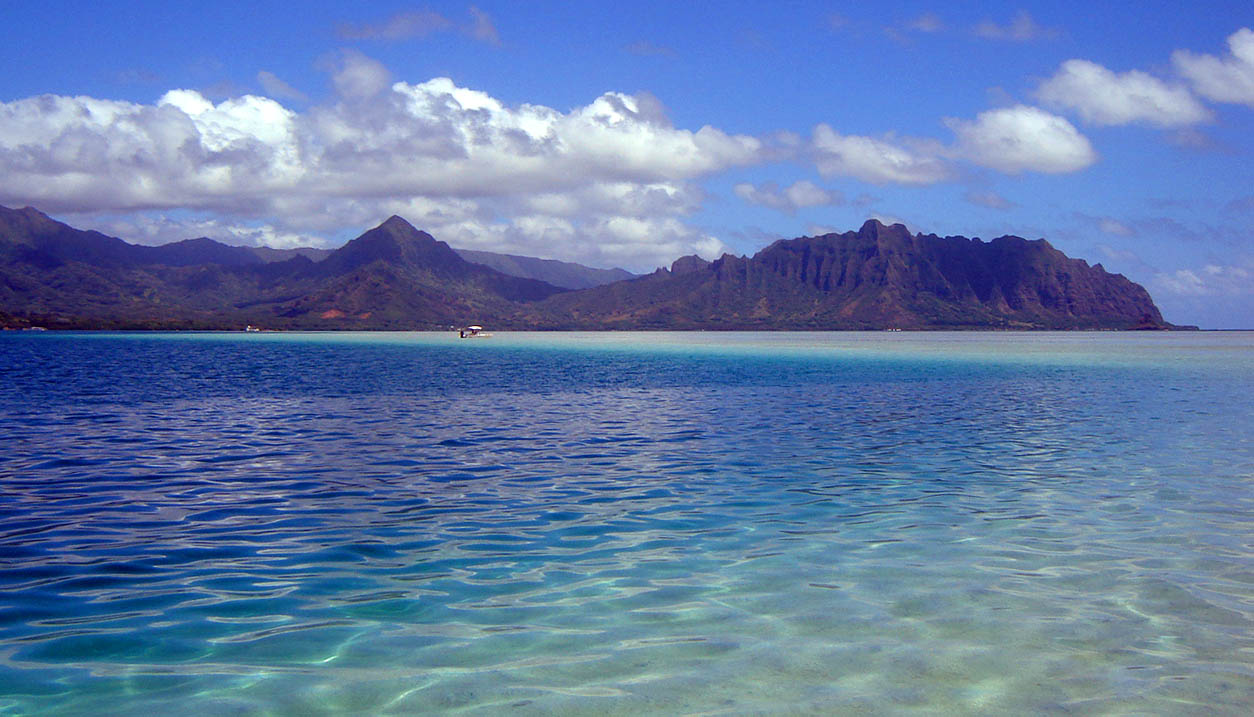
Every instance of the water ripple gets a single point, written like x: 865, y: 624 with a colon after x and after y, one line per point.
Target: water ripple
x: 702, y: 532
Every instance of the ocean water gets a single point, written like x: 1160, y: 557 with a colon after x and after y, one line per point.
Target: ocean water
x: 627, y: 523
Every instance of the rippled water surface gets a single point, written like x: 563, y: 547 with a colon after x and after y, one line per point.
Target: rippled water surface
x: 626, y: 523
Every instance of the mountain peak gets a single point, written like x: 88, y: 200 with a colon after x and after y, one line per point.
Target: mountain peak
x: 880, y: 276
x: 397, y: 276
x: 688, y: 264
x: 875, y: 228
x: 397, y: 229
x: 395, y: 242
x: 885, y: 235
x: 397, y: 223
x: 29, y: 218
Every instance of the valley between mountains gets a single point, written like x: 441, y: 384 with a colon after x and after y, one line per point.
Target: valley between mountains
x: 396, y: 277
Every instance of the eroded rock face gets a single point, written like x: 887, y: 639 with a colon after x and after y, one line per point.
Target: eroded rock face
x: 877, y: 277
x: 689, y: 264
x: 397, y: 277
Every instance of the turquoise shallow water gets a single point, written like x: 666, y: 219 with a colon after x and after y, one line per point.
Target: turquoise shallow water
x: 626, y: 523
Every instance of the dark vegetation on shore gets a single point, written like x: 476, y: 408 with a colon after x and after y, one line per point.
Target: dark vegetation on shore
x: 395, y: 277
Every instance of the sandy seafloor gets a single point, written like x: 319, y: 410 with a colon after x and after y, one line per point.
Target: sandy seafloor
x: 627, y: 523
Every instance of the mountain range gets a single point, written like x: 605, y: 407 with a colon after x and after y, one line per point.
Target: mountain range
x: 397, y: 277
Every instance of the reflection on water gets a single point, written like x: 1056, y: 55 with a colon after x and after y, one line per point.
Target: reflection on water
x: 581, y: 524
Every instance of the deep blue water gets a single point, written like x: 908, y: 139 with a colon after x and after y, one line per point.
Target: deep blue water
x: 626, y: 523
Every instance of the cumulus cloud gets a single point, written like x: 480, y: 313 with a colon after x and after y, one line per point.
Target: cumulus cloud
x: 879, y: 161
x: 799, y: 195
x: 1021, y: 29
x: 1022, y: 138
x: 615, y: 174
x: 1103, y: 97
x: 1011, y: 140
x: 1222, y: 79
x: 155, y: 229
x: 1210, y: 280
x: 356, y: 76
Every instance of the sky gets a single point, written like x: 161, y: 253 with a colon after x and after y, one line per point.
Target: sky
x: 629, y: 134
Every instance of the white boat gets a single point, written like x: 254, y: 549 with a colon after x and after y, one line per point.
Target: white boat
x: 473, y: 332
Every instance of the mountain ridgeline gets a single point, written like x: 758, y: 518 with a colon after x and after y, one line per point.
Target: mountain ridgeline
x: 395, y: 277
x: 878, y: 277
x: 557, y: 273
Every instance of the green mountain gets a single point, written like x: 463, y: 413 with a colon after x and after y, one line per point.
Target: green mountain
x: 558, y: 273
x: 391, y: 277
x: 397, y: 277
x: 878, y: 277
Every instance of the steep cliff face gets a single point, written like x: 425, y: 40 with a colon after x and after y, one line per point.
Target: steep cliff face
x: 397, y: 277
x: 878, y: 277
x: 689, y: 264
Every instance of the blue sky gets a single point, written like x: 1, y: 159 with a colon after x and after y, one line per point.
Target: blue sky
x: 630, y: 134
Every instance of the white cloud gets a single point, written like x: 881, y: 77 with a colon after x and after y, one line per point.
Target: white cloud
x: 1021, y: 29
x: 1120, y: 255
x: 1108, y: 225
x: 1010, y: 140
x: 433, y: 138
x: 1183, y: 281
x: 807, y: 194
x: 1022, y: 138
x: 872, y: 160
x: 1222, y: 79
x: 1103, y: 97
x: 798, y: 195
x: 359, y: 77
x: 891, y: 219
x: 669, y: 236
x: 243, y: 120
x: 156, y: 229
x: 1210, y: 280
x: 67, y: 153
x: 449, y: 158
